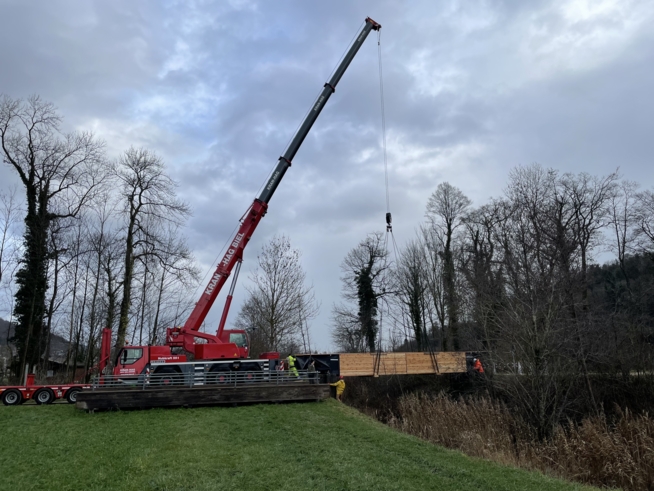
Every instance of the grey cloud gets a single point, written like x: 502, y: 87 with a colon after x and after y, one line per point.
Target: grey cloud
x: 471, y: 90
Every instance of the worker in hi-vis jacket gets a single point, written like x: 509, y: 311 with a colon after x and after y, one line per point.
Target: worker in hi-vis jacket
x: 340, y: 388
x: 291, y: 365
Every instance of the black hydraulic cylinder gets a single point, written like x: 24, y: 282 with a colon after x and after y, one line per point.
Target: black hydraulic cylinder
x: 285, y: 160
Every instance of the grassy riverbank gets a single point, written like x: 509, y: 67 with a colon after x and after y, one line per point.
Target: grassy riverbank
x: 318, y: 446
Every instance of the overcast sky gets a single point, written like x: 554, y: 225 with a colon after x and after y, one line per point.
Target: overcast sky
x: 472, y: 89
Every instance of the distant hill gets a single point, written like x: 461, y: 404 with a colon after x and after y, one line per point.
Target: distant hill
x: 6, y: 331
x: 58, y: 344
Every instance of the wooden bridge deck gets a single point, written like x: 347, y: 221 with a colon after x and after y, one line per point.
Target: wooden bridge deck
x: 102, y: 399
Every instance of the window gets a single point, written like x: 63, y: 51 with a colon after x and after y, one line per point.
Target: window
x: 131, y: 355
x: 239, y: 339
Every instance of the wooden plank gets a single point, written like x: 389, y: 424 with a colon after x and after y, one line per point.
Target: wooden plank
x: 421, y: 363
x: 356, y: 364
x: 452, y: 362
x: 364, y: 364
x: 91, y: 400
x: 392, y: 364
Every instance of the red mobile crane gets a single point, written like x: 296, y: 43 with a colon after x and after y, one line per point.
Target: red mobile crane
x: 219, y: 353
x: 232, y: 344
x: 217, y: 346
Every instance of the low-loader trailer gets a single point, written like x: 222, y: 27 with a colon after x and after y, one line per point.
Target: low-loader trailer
x: 13, y: 395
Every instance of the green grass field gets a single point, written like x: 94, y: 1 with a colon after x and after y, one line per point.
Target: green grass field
x: 303, y: 447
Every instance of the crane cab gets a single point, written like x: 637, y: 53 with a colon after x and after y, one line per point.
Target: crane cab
x: 133, y: 360
x: 238, y: 337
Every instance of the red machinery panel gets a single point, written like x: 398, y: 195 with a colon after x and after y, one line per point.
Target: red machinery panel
x: 270, y: 355
x: 215, y: 351
x: 162, y: 353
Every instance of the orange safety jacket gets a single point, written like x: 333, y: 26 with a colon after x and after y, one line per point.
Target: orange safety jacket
x: 477, y: 367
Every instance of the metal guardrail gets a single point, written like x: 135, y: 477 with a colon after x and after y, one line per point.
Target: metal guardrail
x: 202, y: 378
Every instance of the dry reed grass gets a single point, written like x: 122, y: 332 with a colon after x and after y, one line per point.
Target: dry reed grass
x: 597, y: 452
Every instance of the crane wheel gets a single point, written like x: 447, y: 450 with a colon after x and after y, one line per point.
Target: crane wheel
x: 219, y: 375
x: 166, y: 376
x: 12, y: 397
x: 44, y: 396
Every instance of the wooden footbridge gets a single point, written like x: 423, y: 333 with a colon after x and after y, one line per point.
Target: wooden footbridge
x: 234, y: 388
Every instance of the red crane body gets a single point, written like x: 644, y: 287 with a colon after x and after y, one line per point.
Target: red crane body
x: 231, y: 344
x: 185, y: 336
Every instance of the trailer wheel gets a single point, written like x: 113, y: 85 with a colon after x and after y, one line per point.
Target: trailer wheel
x: 44, y: 396
x: 12, y: 397
x: 71, y: 395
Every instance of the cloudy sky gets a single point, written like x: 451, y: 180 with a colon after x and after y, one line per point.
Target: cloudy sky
x: 472, y: 89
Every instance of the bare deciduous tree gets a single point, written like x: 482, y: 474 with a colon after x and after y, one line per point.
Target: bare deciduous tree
x: 279, y: 302
x: 346, y: 333
x: 445, y: 210
x: 60, y: 173
x: 622, y: 214
x: 645, y: 222
x: 364, y: 282
x: 590, y: 197
x: 9, y: 246
x: 149, y: 203
x: 411, y: 287
x: 483, y: 271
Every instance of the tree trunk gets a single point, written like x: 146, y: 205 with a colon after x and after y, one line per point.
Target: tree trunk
x: 123, y: 318
x: 153, y: 334
x: 93, y: 316
x: 32, y: 282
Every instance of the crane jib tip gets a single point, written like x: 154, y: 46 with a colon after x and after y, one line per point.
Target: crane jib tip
x: 375, y: 25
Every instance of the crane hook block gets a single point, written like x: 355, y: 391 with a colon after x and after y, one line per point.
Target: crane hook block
x: 389, y: 220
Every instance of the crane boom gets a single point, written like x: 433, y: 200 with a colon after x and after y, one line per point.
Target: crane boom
x: 258, y: 208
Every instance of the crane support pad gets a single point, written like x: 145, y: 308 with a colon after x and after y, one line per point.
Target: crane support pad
x: 91, y: 400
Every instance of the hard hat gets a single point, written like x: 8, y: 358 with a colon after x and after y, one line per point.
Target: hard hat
x: 474, y: 359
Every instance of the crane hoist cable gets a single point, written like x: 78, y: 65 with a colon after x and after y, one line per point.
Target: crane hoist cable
x: 389, y: 227
x: 389, y: 220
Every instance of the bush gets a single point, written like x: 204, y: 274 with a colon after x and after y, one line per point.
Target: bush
x: 595, y: 451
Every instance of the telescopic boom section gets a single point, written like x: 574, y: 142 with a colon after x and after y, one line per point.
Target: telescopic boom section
x: 258, y: 209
